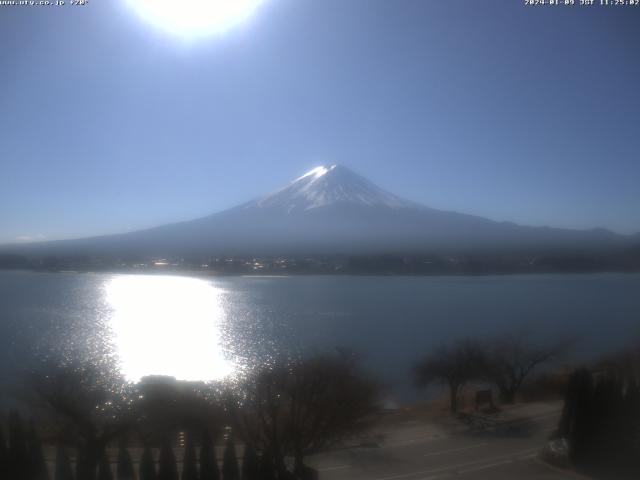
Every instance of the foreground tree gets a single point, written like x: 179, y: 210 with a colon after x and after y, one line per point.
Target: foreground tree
x: 298, y: 407
x: 147, y: 468
x: 267, y: 467
x: 189, y: 462
x: 124, y: 470
x: 512, y: 357
x: 208, y: 463
x: 250, y: 464
x: 601, y: 422
x: 18, y: 463
x: 452, y: 365
x: 38, y: 465
x: 575, y: 423
x: 63, y: 465
x: 230, y: 469
x: 167, y: 469
x: 4, y: 456
x: 86, y: 401
x: 104, y: 468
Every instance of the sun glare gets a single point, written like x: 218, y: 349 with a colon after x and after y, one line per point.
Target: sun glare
x: 167, y: 326
x: 189, y: 18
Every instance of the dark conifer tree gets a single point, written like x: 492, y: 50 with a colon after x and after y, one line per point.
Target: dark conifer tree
x: 85, y: 464
x: 18, y: 462
x: 576, y: 421
x: 104, y: 468
x: 630, y: 432
x: 190, y: 461
x: 208, y: 462
x: 124, y: 469
x: 167, y: 469
x: 63, y: 465
x: 594, y: 438
x: 568, y: 408
x: 38, y: 465
x: 613, y: 427
x: 267, y: 466
x: 4, y: 456
x: 250, y: 464
x: 601, y: 420
x: 147, y: 465
x: 230, y: 469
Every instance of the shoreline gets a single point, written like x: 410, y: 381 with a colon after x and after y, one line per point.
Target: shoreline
x: 208, y: 274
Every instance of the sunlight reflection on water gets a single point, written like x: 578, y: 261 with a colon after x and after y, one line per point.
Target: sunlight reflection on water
x: 165, y: 325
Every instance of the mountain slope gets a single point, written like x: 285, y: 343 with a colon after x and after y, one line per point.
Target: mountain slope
x: 325, y: 186
x: 333, y: 210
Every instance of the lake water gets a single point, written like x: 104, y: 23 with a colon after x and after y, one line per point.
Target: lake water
x: 207, y: 328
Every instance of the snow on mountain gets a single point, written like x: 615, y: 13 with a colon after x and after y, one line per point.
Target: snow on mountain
x: 324, y: 186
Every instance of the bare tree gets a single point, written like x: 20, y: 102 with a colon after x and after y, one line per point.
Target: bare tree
x: 90, y: 405
x: 299, y: 407
x: 513, y: 356
x: 452, y: 365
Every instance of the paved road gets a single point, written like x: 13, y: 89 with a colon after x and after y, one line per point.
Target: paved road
x: 419, y: 451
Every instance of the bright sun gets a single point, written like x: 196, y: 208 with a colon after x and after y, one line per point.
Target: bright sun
x: 194, y: 17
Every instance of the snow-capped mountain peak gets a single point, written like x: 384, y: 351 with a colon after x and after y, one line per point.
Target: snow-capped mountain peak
x: 330, y: 185
x: 317, y: 172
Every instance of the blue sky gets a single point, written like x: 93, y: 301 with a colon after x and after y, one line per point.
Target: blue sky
x: 108, y: 124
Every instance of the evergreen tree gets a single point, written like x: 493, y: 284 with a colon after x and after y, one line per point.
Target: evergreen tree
x: 630, y: 432
x: 63, y: 465
x: 230, y: 469
x: 267, y: 466
x: 124, y: 469
x: 615, y: 423
x: 147, y: 465
x: 4, y: 456
x: 581, y: 423
x: 600, y: 424
x: 190, y: 461
x: 167, y: 469
x: 575, y: 423
x: 208, y: 463
x: 19, y: 465
x: 250, y: 464
x: 38, y: 464
x: 85, y: 464
x: 596, y: 443
x: 601, y: 420
x: 104, y: 468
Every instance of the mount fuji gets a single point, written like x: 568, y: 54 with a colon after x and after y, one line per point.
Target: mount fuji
x: 325, y: 186
x: 332, y: 210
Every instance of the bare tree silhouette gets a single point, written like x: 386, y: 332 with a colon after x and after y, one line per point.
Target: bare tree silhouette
x: 298, y: 407
x: 89, y: 404
x: 453, y: 365
x: 513, y: 356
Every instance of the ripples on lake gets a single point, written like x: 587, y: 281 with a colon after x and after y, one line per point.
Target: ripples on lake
x: 212, y: 328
